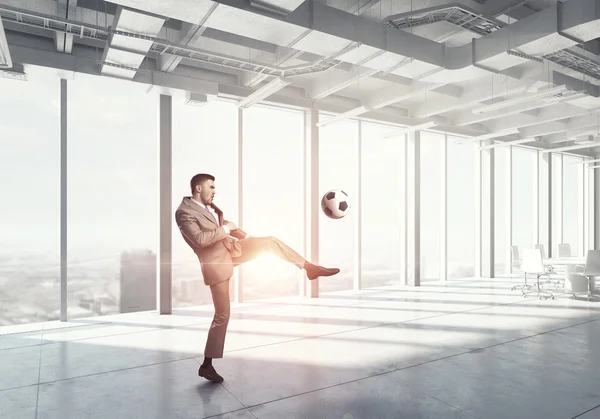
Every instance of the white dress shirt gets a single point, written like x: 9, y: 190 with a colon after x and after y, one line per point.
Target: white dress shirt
x: 212, y: 212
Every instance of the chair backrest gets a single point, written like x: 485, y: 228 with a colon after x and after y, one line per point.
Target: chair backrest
x: 515, y: 252
x: 532, y: 262
x: 592, y: 263
x: 541, y: 247
x: 516, y: 260
x: 564, y: 250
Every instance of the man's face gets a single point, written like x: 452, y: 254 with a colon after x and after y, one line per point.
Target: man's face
x: 207, y: 192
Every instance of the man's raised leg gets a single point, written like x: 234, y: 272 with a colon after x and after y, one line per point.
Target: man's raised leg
x: 253, y: 247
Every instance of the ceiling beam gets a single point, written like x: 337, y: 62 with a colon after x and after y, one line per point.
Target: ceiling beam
x: 483, y: 89
x: 66, y: 9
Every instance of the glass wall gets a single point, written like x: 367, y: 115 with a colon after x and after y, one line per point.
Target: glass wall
x: 205, y: 140
x: 273, y: 199
x: 383, y: 203
x: 112, y: 190
x: 338, y: 162
x: 30, y: 191
x: 572, y: 214
x: 524, y: 190
x: 502, y: 211
x: 461, y: 208
x: 431, y: 190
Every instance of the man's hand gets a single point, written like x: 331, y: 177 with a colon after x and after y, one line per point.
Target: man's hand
x: 230, y: 225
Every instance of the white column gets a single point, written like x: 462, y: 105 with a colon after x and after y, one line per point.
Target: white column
x: 413, y: 209
x: 312, y: 200
x: 581, y: 184
x: 443, y: 267
x: 487, y: 237
x: 536, y: 199
x: 558, y: 210
x: 478, y: 173
x: 402, y: 215
x: 589, y: 217
x: 596, y: 211
x: 545, y: 201
x: 238, y: 273
x: 508, y: 197
x: 165, y: 214
x: 63, y: 201
x: 357, y: 269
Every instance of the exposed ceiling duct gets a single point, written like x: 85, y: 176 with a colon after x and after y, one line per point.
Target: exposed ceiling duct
x: 157, y: 45
x: 550, y: 30
x: 454, y: 13
x: 5, y: 60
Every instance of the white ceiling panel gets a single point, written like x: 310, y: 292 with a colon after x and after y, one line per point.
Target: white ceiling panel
x: 251, y: 25
x: 358, y: 54
x: 192, y: 11
x: 125, y: 58
x: 322, y: 44
x: 385, y: 61
x: 131, y: 44
x: 131, y: 21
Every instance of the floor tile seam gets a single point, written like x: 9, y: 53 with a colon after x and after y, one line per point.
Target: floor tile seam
x: 16, y: 334
x: 537, y: 333
x: 365, y: 378
x: 587, y: 411
x: 344, y: 331
x: 192, y: 357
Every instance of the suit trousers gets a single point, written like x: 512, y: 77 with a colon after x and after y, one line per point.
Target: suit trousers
x: 252, y: 248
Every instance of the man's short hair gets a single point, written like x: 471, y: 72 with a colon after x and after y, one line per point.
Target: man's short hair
x: 198, y: 179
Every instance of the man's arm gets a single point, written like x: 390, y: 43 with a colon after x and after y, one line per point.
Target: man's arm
x: 191, y: 230
x: 238, y: 233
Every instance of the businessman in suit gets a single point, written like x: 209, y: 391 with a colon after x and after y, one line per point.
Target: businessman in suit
x: 220, y: 246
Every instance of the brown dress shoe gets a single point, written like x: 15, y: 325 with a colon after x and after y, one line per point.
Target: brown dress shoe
x: 314, y: 271
x: 210, y: 374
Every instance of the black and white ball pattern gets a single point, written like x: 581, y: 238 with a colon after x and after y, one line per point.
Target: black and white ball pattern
x: 335, y: 204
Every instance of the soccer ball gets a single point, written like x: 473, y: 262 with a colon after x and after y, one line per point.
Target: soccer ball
x: 335, y: 204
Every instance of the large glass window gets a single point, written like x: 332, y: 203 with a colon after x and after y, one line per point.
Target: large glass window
x: 461, y: 209
x: 501, y: 191
x: 205, y: 140
x: 30, y: 191
x: 383, y: 164
x: 273, y: 197
x: 112, y: 191
x: 524, y: 197
x: 572, y: 216
x: 431, y: 189
x: 338, y: 162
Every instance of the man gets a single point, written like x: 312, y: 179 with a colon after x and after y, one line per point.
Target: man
x: 220, y: 246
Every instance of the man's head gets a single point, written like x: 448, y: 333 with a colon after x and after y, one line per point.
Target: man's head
x: 203, y: 188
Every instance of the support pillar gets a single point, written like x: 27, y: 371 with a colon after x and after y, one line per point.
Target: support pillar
x: 165, y: 199
x: 238, y: 273
x: 443, y: 210
x: 545, y: 201
x: 487, y: 216
x: 63, y: 201
x: 357, y: 277
x: 312, y: 201
x: 413, y: 209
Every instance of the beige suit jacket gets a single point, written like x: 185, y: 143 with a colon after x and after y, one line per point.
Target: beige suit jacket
x: 208, y: 240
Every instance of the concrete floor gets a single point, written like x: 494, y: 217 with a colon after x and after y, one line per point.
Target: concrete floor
x: 461, y: 349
